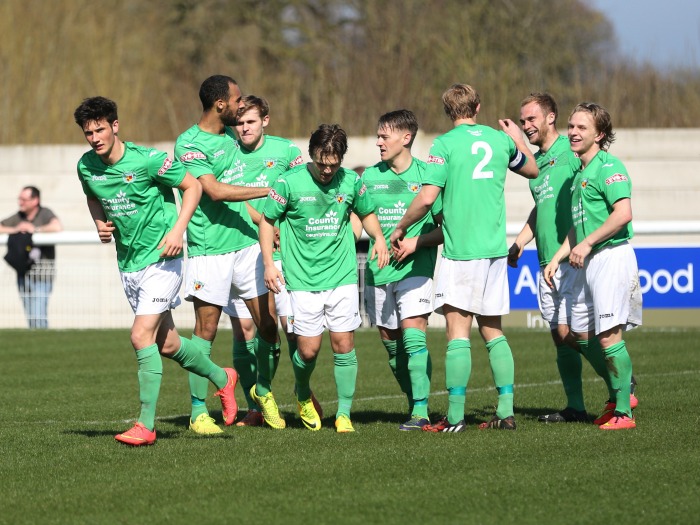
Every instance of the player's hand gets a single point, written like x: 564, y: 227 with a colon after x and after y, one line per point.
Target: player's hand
x: 396, y: 236
x: 578, y: 254
x: 171, y: 244
x: 549, y: 271
x: 104, y: 231
x: 511, y: 129
x: 514, y: 254
x: 273, y: 279
x: 380, y: 252
x: 406, y: 247
x: 276, y: 242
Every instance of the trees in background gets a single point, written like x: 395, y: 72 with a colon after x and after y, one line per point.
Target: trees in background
x: 344, y: 61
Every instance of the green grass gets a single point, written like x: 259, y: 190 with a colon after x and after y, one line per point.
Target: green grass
x: 66, y: 393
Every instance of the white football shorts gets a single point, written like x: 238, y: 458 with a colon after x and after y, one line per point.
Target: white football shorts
x: 154, y: 289
x: 389, y: 304
x: 612, y: 277
x: 312, y: 312
x: 479, y: 286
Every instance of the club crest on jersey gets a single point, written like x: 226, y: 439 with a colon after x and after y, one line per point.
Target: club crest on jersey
x: 618, y: 177
x: 270, y: 163
x: 340, y: 198
x: 128, y: 177
x: 584, y: 183
x: 414, y: 187
x: 198, y: 285
x: 553, y: 161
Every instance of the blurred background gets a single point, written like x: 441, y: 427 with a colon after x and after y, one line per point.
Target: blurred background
x: 345, y: 61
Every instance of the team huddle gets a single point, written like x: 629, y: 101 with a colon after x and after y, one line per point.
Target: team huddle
x: 271, y: 239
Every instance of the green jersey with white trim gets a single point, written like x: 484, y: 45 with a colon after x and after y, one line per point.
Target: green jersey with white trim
x: 318, y: 244
x: 137, y: 195
x: 552, y: 193
x: 265, y: 165
x: 216, y: 227
x: 596, y: 188
x: 470, y: 163
x: 392, y: 194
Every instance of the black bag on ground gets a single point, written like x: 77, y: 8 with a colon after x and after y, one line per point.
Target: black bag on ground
x: 18, y: 247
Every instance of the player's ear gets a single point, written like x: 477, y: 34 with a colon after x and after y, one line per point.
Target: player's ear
x: 550, y: 119
x: 265, y: 121
x: 115, y: 127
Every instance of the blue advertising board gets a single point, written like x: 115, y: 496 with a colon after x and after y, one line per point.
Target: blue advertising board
x: 666, y: 277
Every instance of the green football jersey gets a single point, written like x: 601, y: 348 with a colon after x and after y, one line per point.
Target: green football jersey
x: 318, y: 246
x: 392, y: 194
x: 265, y: 165
x: 596, y: 188
x: 216, y: 227
x: 552, y: 193
x: 137, y: 195
x: 470, y: 163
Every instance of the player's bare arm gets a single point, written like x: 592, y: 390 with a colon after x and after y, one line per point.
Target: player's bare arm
x: 416, y: 211
x: 561, y: 254
x: 371, y: 225
x: 529, y: 170
x: 255, y: 215
x: 524, y: 237
x: 104, y: 227
x: 171, y: 244
x: 620, y: 216
x: 356, y: 224
x: 218, y: 191
x: 409, y: 245
x: 266, y: 233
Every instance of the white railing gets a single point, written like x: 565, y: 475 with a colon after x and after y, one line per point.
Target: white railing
x: 87, y: 292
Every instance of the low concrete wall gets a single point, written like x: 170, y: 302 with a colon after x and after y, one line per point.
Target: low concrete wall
x: 662, y: 164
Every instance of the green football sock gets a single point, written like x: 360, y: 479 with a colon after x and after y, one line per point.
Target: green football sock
x: 569, y: 365
x: 267, y: 355
x: 458, y: 368
x: 302, y: 375
x: 199, y: 386
x: 620, y: 366
x: 245, y: 363
x: 191, y: 358
x: 593, y: 352
x: 345, y: 372
x: 503, y: 370
x: 150, y: 375
x: 398, y: 362
x: 414, y: 342
x: 292, y: 347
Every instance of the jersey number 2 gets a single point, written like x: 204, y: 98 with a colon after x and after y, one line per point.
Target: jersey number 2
x: 478, y: 172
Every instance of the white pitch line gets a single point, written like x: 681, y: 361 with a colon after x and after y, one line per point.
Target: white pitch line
x: 373, y: 398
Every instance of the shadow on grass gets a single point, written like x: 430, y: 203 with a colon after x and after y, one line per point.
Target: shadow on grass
x: 110, y: 433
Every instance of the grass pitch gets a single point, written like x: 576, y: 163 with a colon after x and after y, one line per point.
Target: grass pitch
x: 65, y: 394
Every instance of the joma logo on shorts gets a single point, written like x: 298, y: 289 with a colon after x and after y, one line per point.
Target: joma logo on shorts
x: 423, y: 300
x: 160, y: 300
x: 605, y: 316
